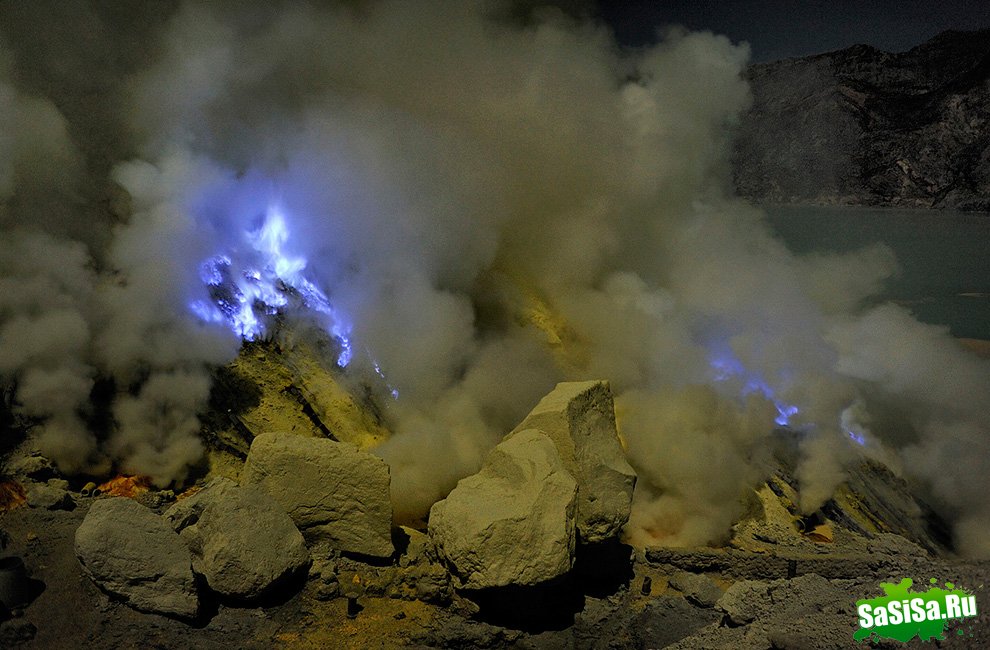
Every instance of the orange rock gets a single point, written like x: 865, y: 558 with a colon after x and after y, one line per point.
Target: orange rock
x: 822, y: 534
x: 126, y: 486
x: 12, y: 495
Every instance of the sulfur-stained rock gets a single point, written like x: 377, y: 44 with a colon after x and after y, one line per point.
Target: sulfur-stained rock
x: 333, y: 491
x: 579, y: 417
x: 512, y: 523
x: 132, y: 552
x: 241, y: 539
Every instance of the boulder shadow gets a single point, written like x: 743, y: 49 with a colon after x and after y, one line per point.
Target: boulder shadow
x: 600, y: 570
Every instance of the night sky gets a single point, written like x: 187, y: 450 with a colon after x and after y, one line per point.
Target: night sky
x: 779, y: 29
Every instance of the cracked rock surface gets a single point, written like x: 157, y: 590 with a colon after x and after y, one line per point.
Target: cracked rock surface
x: 333, y: 491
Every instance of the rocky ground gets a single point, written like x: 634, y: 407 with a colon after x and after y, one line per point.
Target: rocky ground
x: 703, y: 598
x: 293, y: 545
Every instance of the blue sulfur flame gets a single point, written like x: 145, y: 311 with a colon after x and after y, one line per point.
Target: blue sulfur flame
x: 726, y: 366
x: 851, y: 427
x: 246, y: 289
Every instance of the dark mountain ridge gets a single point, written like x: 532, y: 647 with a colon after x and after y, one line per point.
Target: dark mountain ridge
x: 861, y: 126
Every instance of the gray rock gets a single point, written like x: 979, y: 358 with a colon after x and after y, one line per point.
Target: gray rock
x: 326, y: 590
x: 697, y: 589
x: 710, y: 637
x: 745, y: 601
x: 41, y: 495
x: 419, y: 575
x: 891, y: 544
x: 133, y: 553
x: 432, y: 584
x: 187, y: 510
x: 819, y: 631
x: 334, y: 492
x: 512, y: 523
x: 580, y: 419
x: 241, y: 539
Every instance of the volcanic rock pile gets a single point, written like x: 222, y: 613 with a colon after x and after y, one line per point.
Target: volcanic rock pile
x: 557, y: 481
x: 557, y: 478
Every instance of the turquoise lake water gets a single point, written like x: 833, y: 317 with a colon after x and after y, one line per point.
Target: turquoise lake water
x: 944, y: 256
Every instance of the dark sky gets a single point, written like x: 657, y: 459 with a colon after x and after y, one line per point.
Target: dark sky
x: 784, y: 28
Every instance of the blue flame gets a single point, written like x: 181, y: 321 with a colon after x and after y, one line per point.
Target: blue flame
x: 727, y: 366
x: 248, y: 286
x: 851, y: 426
x: 378, y: 370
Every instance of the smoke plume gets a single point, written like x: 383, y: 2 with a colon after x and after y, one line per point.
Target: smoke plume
x: 473, y: 205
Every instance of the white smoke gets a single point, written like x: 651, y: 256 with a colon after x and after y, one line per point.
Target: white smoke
x: 491, y: 207
x: 46, y: 279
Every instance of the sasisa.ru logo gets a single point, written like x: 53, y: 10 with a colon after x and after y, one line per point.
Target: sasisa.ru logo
x: 902, y: 614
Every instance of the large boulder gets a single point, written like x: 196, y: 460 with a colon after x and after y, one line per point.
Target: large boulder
x: 242, y: 541
x: 512, y: 523
x: 131, y: 552
x: 580, y: 419
x: 333, y: 491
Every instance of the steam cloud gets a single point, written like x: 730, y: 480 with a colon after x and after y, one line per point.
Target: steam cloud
x: 489, y: 207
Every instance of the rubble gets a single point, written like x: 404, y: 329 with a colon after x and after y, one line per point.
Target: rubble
x: 805, y: 612
x: 420, y: 576
x: 31, y: 465
x: 745, y: 601
x: 806, y: 595
x: 15, y: 632
x: 51, y: 495
x: 512, y: 523
x: 132, y: 552
x: 579, y: 417
x: 241, y: 540
x: 333, y: 491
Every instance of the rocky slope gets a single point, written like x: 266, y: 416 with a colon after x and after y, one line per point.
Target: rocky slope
x: 864, y: 127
